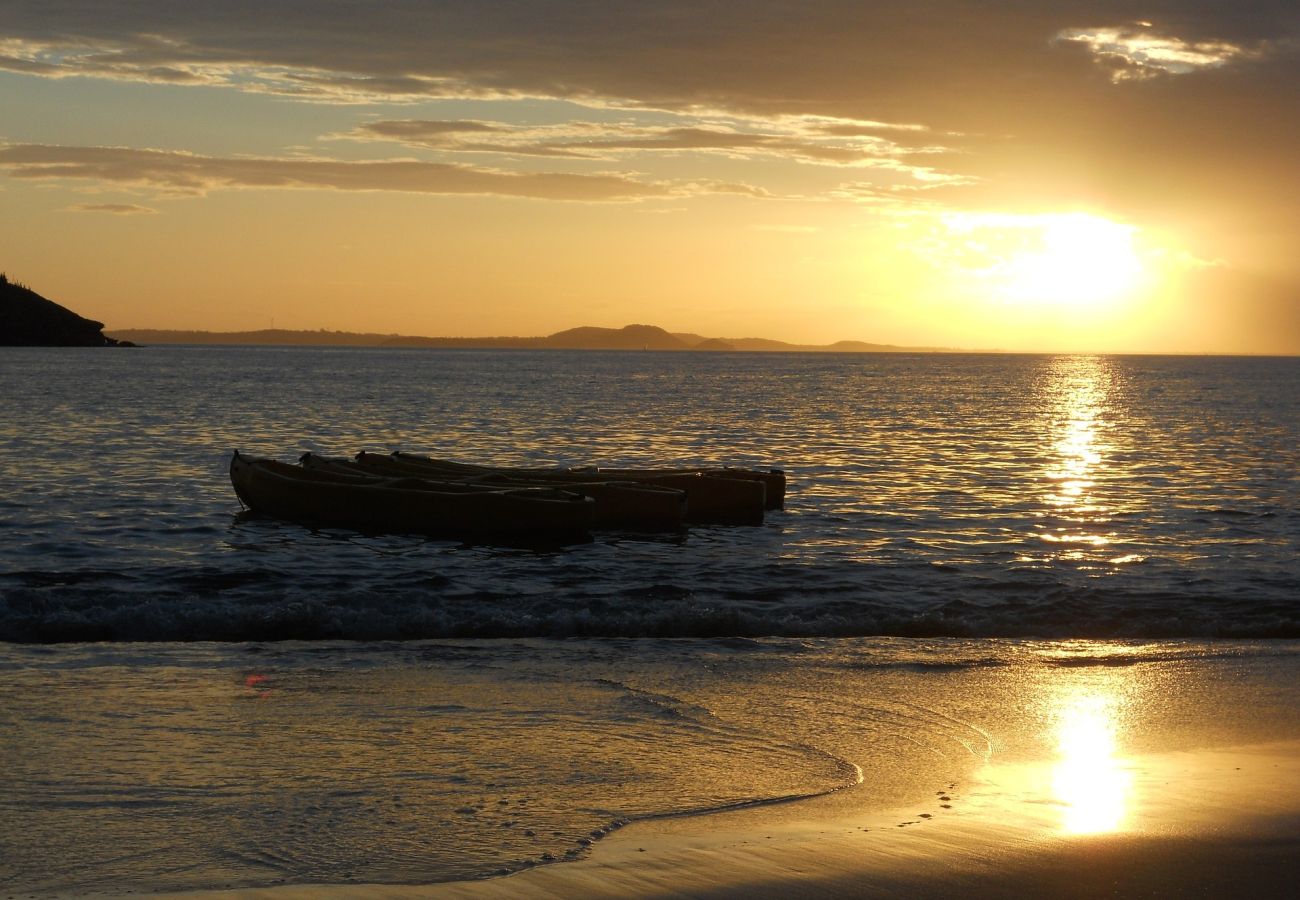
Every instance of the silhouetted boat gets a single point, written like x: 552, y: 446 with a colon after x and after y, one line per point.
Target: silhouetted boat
x: 712, y: 495
x: 773, y: 480
x: 619, y: 504
x: 406, y: 504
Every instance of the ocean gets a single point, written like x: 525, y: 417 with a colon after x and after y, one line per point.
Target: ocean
x: 929, y: 495
x: 192, y: 696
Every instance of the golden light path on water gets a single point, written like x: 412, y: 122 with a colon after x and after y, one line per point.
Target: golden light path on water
x: 1079, y: 397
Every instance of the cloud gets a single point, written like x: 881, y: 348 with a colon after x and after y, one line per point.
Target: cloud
x: 818, y: 141
x: 1005, y: 95
x: 1138, y: 51
x: 117, y: 209
x: 185, y: 173
x: 834, y: 57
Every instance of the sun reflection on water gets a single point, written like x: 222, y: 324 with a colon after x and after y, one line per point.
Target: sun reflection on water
x: 1079, y: 386
x: 1088, y: 779
x: 1077, y: 394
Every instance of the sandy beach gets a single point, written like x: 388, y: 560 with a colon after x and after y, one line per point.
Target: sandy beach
x: 1071, y: 813
x: 1204, y: 823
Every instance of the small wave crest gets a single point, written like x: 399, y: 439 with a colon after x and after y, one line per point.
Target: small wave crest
x: 260, y: 605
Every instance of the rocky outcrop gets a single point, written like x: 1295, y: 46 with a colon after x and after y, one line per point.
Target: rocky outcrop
x: 29, y: 320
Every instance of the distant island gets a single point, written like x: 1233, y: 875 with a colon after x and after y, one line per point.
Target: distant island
x: 29, y: 320
x: 630, y: 337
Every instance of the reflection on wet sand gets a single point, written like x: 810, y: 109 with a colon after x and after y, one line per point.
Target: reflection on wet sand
x: 1088, y: 778
x: 1070, y: 757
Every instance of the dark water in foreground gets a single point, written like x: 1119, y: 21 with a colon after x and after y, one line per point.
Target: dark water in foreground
x: 929, y: 495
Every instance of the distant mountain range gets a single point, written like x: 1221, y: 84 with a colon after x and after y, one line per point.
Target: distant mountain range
x: 630, y: 337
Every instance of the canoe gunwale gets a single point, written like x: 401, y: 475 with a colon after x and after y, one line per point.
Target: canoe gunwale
x: 773, y: 479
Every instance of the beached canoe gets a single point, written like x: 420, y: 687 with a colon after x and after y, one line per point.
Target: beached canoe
x: 619, y: 504
x: 713, y: 498
x: 407, y: 505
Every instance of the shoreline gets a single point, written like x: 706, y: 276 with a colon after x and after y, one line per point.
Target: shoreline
x: 1209, y: 822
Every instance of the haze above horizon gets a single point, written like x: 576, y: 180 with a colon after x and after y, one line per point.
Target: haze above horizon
x: 1059, y: 178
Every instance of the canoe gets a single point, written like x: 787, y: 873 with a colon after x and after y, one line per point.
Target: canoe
x: 619, y: 504
x: 773, y: 480
x: 709, y: 497
x: 407, y: 505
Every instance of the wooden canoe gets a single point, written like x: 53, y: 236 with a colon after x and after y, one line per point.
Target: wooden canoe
x: 407, y: 505
x: 773, y: 479
x: 709, y: 497
x: 619, y: 504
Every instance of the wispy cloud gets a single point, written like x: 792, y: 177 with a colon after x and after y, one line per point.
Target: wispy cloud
x: 825, y: 57
x: 117, y: 209
x: 876, y: 89
x: 1139, y: 51
x: 819, y: 141
x: 678, y: 54
x: 156, y: 59
x: 193, y: 174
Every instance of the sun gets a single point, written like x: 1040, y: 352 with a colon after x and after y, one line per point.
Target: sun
x: 1072, y: 260
x: 1079, y: 260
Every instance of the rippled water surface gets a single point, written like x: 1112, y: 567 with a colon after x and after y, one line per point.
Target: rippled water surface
x: 929, y: 494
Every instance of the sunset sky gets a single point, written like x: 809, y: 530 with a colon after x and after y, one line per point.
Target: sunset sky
x: 1094, y: 176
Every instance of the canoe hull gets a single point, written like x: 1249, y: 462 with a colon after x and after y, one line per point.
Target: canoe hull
x: 619, y: 503
x: 710, y: 498
x: 394, y: 506
x: 773, y: 480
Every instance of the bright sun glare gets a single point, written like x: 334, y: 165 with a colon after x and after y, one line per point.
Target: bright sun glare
x: 1081, y: 260
x: 1064, y: 259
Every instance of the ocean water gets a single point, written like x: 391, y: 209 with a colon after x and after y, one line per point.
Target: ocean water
x: 974, y: 549
x: 965, y: 495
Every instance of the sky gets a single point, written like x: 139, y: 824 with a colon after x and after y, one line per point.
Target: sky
x: 1066, y: 176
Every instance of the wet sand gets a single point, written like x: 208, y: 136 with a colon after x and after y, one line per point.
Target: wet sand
x: 1204, y: 823
x: 1081, y: 771
x: 1207, y: 823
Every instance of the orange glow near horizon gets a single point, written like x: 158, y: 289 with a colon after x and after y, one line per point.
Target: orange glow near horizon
x: 1059, y: 281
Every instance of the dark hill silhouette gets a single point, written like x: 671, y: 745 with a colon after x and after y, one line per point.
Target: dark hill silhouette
x: 630, y: 337
x: 29, y: 320
x: 276, y: 337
